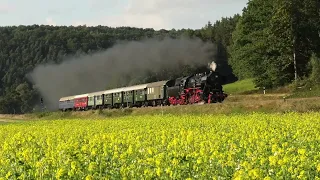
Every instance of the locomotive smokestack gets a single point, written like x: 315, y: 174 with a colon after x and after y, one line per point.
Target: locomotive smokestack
x: 213, y: 66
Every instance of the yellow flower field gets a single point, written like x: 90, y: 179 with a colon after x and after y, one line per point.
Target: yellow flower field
x: 255, y: 146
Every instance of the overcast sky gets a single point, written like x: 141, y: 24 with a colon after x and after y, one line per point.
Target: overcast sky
x: 155, y: 14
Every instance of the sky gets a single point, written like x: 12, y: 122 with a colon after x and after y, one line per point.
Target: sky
x: 157, y: 14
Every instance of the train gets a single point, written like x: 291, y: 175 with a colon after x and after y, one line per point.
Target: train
x: 196, y: 88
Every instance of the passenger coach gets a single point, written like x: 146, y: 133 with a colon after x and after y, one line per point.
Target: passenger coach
x: 150, y: 94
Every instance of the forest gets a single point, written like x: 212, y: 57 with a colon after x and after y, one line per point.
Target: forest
x: 276, y: 42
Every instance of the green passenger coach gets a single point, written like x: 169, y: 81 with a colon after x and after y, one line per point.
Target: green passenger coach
x: 95, y: 100
x: 108, y: 101
x: 134, y: 95
x: 113, y: 97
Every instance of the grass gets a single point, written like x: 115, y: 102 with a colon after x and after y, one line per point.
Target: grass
x: 240, y: 104
x: 239, y: 87
x: 306, y: 92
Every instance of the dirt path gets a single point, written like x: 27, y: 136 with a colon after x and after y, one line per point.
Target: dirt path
x: 11, y: 118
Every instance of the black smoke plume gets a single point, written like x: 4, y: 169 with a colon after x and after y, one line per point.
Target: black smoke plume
x: 126, y: 63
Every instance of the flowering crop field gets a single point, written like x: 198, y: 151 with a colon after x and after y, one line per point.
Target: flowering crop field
x: 254, y: 146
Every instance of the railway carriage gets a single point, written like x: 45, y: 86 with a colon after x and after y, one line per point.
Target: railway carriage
x: 95, y: 100
x: 81, y: 102
x: 140, y: 97
x: 66, y: 103
x: 107, y: 99
x: 134, y: 96
x: 113, y: 98
x: 156, y: 93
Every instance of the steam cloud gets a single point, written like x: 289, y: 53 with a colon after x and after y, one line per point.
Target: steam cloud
x: 213, y: 66
x: 129, y: 60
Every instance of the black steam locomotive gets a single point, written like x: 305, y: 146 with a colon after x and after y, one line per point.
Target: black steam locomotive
x: 201, y: 87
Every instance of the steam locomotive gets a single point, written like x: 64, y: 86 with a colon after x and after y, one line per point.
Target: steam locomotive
x: 197, y: 88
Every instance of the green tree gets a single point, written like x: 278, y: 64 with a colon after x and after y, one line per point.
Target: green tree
x: 274, y: 39
x: 315, y: 73
x: 292, y: 38
x: 249, y: 40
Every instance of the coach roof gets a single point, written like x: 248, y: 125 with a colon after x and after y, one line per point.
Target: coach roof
x: 96, y: 93
x: 117, y: 90
x: 155, y: 84
x: 135, y: 87
x: 81, y: 95
x: 66, y: 98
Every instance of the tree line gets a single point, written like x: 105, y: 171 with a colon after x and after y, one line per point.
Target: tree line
x: 273, y: 41
x: 276, y: 41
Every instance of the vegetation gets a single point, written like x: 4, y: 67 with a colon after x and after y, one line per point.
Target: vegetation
x: 205, y: 146
x: 235, y: 104
x: 274, y: 40
x: 314, y: 91
x: 241, y: 86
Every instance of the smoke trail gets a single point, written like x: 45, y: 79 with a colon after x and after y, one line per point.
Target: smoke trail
x: 113, y: 67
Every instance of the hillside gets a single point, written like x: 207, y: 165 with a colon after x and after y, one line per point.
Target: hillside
x: 24, y: 48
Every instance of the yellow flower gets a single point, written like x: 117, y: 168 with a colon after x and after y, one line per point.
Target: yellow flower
x: 273, y: 160
x: 59, y: 173
x: 8, y: 174
x: 301, y: 151
x: 89, y: 177
x: 254, y: 173
x: 73, y: 165
x: 318, y: 168
x: 158, y: 172
x: 92, y: 166
x: 130, y: 149
x: 175, y: 161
